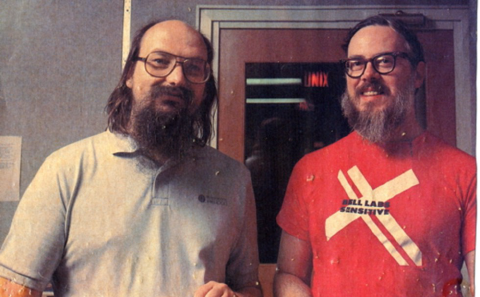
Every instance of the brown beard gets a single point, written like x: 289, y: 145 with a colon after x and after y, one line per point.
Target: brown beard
x: 376, y: 126
x: 168, y: 134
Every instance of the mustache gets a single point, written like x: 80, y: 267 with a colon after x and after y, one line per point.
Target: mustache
x: 181, y: 92
x: 369, y: 86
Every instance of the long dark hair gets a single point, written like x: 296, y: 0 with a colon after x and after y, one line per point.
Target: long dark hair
x: 119, y: 105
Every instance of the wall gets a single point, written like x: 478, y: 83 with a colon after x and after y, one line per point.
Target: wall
x: 59, y: 61
x: 145, y: 10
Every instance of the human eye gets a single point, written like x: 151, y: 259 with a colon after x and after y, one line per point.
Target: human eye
x: 355, y: 64
x: 195, y: 67
x: 159, y: 60
x: 384, y: 61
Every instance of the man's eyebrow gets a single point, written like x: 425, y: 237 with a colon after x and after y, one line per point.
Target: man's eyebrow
x: 376, y: 55
x: 356, y: 57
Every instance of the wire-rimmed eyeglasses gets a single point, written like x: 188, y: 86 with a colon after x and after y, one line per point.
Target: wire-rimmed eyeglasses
x: 161, y: 64
x: 383, y: 64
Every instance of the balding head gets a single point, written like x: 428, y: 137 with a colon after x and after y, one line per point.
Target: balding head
x: 175, y: 37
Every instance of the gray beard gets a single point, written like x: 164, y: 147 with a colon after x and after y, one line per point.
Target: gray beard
x: 376, y: 126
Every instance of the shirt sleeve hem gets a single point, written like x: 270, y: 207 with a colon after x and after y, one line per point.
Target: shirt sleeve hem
x: 23, y: 280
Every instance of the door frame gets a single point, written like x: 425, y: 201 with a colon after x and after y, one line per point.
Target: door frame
x: 211, y: 19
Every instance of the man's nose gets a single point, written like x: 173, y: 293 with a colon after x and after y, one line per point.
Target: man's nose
x: 176, y: 77
x: 370, y: 72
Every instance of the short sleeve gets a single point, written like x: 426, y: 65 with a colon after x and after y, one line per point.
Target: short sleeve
x: 293, y: 216
x: 34, y: 245
x: 470, y: 218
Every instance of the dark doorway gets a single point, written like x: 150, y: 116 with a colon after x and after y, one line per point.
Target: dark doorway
x: 291, y: 110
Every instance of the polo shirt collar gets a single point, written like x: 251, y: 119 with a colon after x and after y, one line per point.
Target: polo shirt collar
x: 120, y: 144
x: 124, y: 145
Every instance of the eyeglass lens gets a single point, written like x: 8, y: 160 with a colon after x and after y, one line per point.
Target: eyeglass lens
x: 382, y: 64
x: 161, y: 64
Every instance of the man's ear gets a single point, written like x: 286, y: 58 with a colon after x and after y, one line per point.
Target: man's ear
x: 419, y: 74
x: 129, y: 82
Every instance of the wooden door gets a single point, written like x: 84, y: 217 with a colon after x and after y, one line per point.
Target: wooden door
x: 240, y: 48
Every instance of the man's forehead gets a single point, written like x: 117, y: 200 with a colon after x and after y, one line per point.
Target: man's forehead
x: 376, y: 39
x: 174, y: 37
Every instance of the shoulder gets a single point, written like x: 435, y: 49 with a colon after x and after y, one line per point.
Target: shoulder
x: 319, y: 166
x: 332, y: 152
x: 444, y: 161
x: 443, y: 151
x: 80, y: 149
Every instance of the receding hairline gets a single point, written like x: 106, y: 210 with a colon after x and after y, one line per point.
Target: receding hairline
x: 176, y: 26
x: 404, y: 40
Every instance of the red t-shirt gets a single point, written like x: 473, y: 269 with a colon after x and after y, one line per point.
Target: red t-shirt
x: 384, y: 221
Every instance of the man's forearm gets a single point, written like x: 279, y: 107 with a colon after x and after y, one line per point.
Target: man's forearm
x: 286, y: 284
x: 11, y: 289
x: 470, y: 262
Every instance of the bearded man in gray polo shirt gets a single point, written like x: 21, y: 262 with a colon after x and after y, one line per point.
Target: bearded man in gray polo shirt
x: 145, y: 208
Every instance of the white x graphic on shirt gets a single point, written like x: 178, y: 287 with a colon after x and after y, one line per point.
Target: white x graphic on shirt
x: 385, y: 192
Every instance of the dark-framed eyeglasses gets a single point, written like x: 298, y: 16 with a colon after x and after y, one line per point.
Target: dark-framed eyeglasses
x: 383, y: 64
x: 161, y: 64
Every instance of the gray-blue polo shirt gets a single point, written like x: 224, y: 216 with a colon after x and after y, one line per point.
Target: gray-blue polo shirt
x: 100, y: 223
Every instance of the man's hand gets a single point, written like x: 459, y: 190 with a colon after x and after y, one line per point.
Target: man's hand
x: 214, y: 289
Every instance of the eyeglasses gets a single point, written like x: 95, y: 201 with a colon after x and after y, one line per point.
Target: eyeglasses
x: 383, y: 64
x: 161, y: 64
